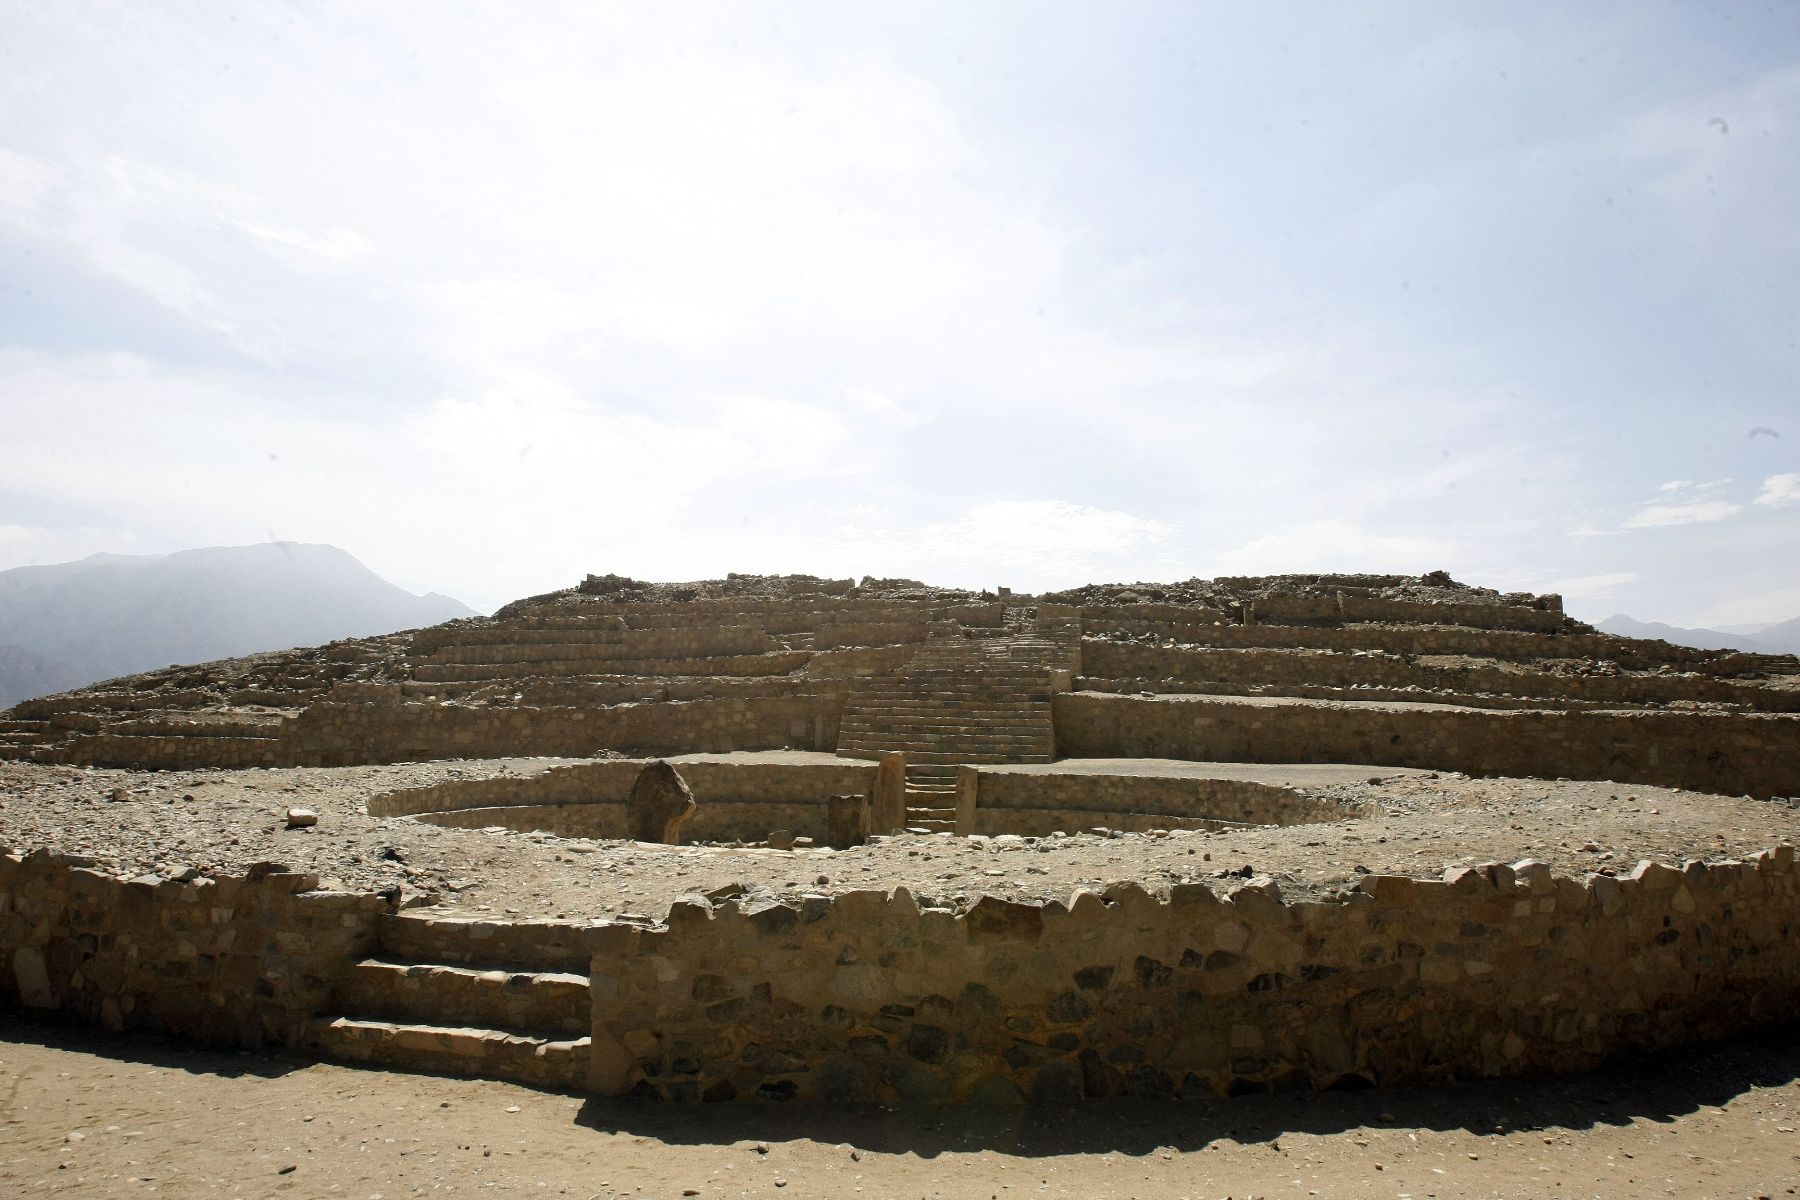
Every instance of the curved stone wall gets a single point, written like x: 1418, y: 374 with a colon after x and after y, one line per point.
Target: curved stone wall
x: 1494, y: 970
x: 1491, y: 971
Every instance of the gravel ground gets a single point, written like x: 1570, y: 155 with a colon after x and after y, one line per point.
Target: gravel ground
x: 83, y: 1114
x: 222, y: 821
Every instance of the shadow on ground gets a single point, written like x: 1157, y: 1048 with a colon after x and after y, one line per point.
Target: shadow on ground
x: 1661, y: 1088
x: 150, y: 1049
x: 1656, y: 1088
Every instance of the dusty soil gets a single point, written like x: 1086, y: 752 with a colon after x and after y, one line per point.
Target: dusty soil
x: 222, y: 821
x: 85, y: 1114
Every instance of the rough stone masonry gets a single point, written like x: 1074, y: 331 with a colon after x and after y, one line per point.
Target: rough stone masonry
x: 1151, y: 839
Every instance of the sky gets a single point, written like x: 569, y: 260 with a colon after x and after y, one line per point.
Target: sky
x: 984, y: 294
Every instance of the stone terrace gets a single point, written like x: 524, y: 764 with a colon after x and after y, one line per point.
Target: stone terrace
x: 950, y: 677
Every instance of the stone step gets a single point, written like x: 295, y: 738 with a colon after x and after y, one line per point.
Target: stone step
x: 974, y: 718
x: 930, y: 824
x: 987, y: 714
x: 534, y: 1000
x: 977, y: 759
x: 542, y: 945
x: 906, y: 742
x: 453, y: 1050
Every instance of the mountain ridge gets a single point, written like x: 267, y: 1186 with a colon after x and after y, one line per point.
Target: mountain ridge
x: 1780, y: 637
x: 112, y: 614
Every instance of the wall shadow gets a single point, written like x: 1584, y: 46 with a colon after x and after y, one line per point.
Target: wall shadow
x: 1659, y: 1088
x: 59, y: 1031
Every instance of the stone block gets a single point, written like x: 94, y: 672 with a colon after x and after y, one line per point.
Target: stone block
x: 846, y: 821
x: 659, y: 805
x: 994, y: 919
x: 888, y: 811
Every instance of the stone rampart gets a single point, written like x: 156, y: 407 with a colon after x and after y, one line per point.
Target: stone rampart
x: 1752, y: 754
x: 240, y: 961
x: 1494, y: 971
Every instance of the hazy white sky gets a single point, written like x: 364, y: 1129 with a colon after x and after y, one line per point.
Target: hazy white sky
x: 1028, y: 294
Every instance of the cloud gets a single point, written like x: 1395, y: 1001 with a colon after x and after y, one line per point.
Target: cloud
x: 1780, y: 491
x: 1698, y: 512
x: 1028, y: 545
x: 1690, y: 503
x: 1589, y: 588
x: 1335, y: 546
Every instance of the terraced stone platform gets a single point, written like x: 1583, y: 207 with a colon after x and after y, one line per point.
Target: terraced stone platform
x: 1103, y: 737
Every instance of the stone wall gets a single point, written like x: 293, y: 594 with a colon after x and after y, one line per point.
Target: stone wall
x: 232, y: 961
x: 1340, y: 606
x: 1493, y: 971
x: 1754, y: 754
x: 381, y: 728
x: 738, y: 801
x: 1195, y: 666
x: 1035, y: 803
x: 1406, y: 639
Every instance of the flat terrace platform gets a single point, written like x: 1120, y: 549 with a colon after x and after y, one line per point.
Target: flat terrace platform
x: 1415, y: 823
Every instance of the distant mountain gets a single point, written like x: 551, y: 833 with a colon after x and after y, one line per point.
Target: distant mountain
x: 68, y: 624
x: 1781, y: 638
x: 24, y: 674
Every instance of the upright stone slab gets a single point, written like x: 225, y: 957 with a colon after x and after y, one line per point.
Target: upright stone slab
x: 660, y: 804
x: 889, y: 810
x: 846, y: 821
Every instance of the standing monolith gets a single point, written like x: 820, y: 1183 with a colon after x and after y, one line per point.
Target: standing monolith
x: 846, y: 821
x: 659, y: 806
x: 889, y: 809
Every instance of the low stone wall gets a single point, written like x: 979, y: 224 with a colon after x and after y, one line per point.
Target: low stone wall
x: 231, y: 961
x: 1406, y: 639
x: 505, y: 644
x: 780, y: 662
x: 868, y: 633
x: 1494, y: 971
x: 381, y: 728
x: 1035, y: 803
x: 1490, y: 971
x: 738, y: 801
x: 1194, y: 665
x: 332, y: 734
x: 1342, y: 606
x: 1754, y: 754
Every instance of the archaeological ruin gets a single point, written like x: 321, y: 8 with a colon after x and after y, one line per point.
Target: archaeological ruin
x: 766, y: 838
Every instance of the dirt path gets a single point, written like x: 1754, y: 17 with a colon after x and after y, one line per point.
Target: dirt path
x: 83, y: 1114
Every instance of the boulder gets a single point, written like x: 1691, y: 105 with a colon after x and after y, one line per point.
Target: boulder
x: 660, y: 804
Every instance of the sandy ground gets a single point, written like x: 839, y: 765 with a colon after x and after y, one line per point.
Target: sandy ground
x: 86, y: 1114
x: 221, y: 821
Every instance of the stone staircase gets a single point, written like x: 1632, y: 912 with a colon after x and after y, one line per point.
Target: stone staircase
x: 464, y: 997
x: 960, y: 700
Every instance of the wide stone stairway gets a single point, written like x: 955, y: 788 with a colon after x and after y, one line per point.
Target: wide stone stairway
x: 960, y: 700
x: 466, y: 997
